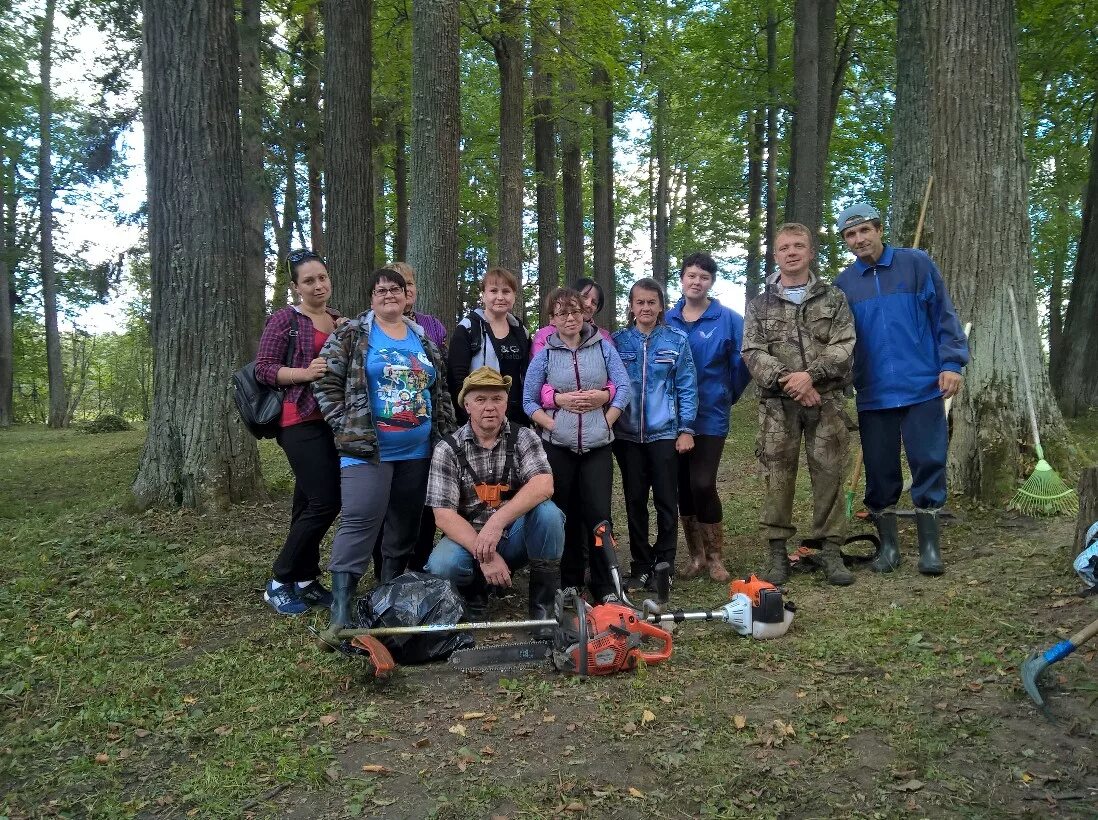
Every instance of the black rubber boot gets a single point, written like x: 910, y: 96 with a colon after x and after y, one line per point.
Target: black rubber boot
x: 888, y: 556
x: 544, y: 583
x: 344, y: 585
x: 392, y: 568
x: 930, y: 555
x: 475, y: 597
x: 833, y: 565
x: 778, y: 571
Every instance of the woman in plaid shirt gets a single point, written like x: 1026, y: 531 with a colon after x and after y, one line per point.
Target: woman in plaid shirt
x: 304, y: 436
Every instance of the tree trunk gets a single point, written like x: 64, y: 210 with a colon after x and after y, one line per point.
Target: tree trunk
x: 571, y: 177
x: 313, y: 121
x: 771, y: 136
x: 54, y: 365
x: 1056, y: 316
x: 1088, y: 505
x: 7, y: 335
x: 254, y: 191
x: 508, y: 45
x: 436, y: 129
x: 545, y: 167
x: 400, y: 189
x: 198, y: 453
x: 753, y: 269
x: 1074, y: 374
x: 976, y: 125
x: 661, y: 261
x: 602, y: 162
x: 813, y: 77
x: 348, y: 147
x: 910, y: 144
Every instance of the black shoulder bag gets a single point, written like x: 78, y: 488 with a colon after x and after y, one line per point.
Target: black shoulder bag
x: 260, y: 405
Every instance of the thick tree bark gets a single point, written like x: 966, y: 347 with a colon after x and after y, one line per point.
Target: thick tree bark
x: 771, y: 136
x: 571, y: 151
x: 7, y: 335
x: 313, y: 122
x: 1056, y: 321
x: 400, y: 189
x: 661, y: 260
x: 1088, y: 505
x: 198, y: 453
x: 753, y: 277
x: 508, y: 48
x: 910, y: 143
x: 545, y: 167
x: 348, y: 147
x: 55, y: 368
x: 436, y: 128
x: 254, y: 191
x: 602, y: 162
x: 976, y: 125
x: 804, y: 197
x: 1074, y: 374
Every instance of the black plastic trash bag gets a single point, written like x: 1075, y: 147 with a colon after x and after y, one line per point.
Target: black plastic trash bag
x: 415, y: 599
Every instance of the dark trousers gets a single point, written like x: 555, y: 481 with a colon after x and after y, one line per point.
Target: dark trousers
x: 646, y: 468
x: 311, y: 451
x: 698, y: 480
x: 581, y: 489
x: 922, y: 429
x: 423, y: 546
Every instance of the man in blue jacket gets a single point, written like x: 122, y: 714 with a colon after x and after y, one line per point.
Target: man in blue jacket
x: 908, y: 358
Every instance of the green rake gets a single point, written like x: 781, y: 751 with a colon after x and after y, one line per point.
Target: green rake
x: 1044, y: 492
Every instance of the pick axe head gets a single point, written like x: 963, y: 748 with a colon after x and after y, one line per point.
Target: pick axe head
x: 1031, y: 671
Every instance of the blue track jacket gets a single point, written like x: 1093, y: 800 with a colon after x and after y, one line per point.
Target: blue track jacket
x: 715, y: 342
x: 908, y: 331
x: 664, y: 384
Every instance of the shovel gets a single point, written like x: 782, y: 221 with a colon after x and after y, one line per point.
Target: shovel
x: 1037, y: 663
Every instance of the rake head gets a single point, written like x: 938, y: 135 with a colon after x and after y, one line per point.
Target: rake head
x: 1044, y: 493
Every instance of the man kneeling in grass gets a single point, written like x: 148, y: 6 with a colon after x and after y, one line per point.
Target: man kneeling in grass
x: 490, y: 486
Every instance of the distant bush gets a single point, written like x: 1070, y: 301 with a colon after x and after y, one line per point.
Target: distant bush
x: 108, y: 423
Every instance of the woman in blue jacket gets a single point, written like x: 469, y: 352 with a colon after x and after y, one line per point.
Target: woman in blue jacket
x: 654, y: 428
x: 715, y: 334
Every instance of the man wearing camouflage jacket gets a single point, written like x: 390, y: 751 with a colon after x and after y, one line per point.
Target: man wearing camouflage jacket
x: 798, y: 343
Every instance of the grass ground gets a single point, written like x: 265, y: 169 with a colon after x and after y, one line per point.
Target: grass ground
x: 141, y: 675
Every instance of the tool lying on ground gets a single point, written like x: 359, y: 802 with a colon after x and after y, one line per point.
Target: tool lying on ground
x: 598, y: 639
x: 1038, y: 663
x: 807, y: 555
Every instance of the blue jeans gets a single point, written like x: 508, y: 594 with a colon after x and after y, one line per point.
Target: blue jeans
x: 537, y: 535
x: 925, y: 435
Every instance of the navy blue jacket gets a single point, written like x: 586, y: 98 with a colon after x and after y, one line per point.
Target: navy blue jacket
x: 908, y: 331
x: 663, y: 382
x: 715, y: 342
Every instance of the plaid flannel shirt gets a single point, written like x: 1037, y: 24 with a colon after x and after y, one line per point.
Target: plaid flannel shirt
x: 271, y: 355
x: 448, y: 487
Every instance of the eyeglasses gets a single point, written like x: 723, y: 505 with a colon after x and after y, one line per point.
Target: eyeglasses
x: 567, y: 314
x: 383, y: 292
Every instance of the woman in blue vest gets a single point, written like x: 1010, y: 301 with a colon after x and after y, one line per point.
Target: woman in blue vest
x: 715, y: 334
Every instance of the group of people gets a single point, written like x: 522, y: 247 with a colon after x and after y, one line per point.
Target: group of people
x: 505, y: 442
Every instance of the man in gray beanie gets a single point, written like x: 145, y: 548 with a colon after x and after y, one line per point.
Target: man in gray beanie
x: 908, y: 358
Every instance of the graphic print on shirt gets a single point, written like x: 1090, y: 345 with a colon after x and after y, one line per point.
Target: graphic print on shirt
x: 402, y: 390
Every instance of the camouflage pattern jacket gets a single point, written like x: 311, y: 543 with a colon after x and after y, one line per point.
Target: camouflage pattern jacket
x: 781, y: 337
x: 344, y: 395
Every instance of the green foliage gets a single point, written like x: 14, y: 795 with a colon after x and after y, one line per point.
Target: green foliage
x: 107, y: 423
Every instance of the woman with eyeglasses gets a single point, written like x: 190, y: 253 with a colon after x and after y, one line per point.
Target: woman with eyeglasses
x: 491, y: 336
x: 384, y: 394
x: 432, y: 327
x: 578, y: 362
x: 591, y: 297
x: 716, y: 337
x: 303, y: 435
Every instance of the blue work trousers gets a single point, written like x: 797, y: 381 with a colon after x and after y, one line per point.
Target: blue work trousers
x: 922, y: 429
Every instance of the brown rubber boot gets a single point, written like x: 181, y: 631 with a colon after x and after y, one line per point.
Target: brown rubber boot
x: 713, y: 539
x: 778, y: 571
x: 691, y: 529
x: 834, y: 568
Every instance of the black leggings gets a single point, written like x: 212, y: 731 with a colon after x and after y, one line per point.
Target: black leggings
x: 581, y: 488
x: 698, y: 480
x: 311, y: 452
